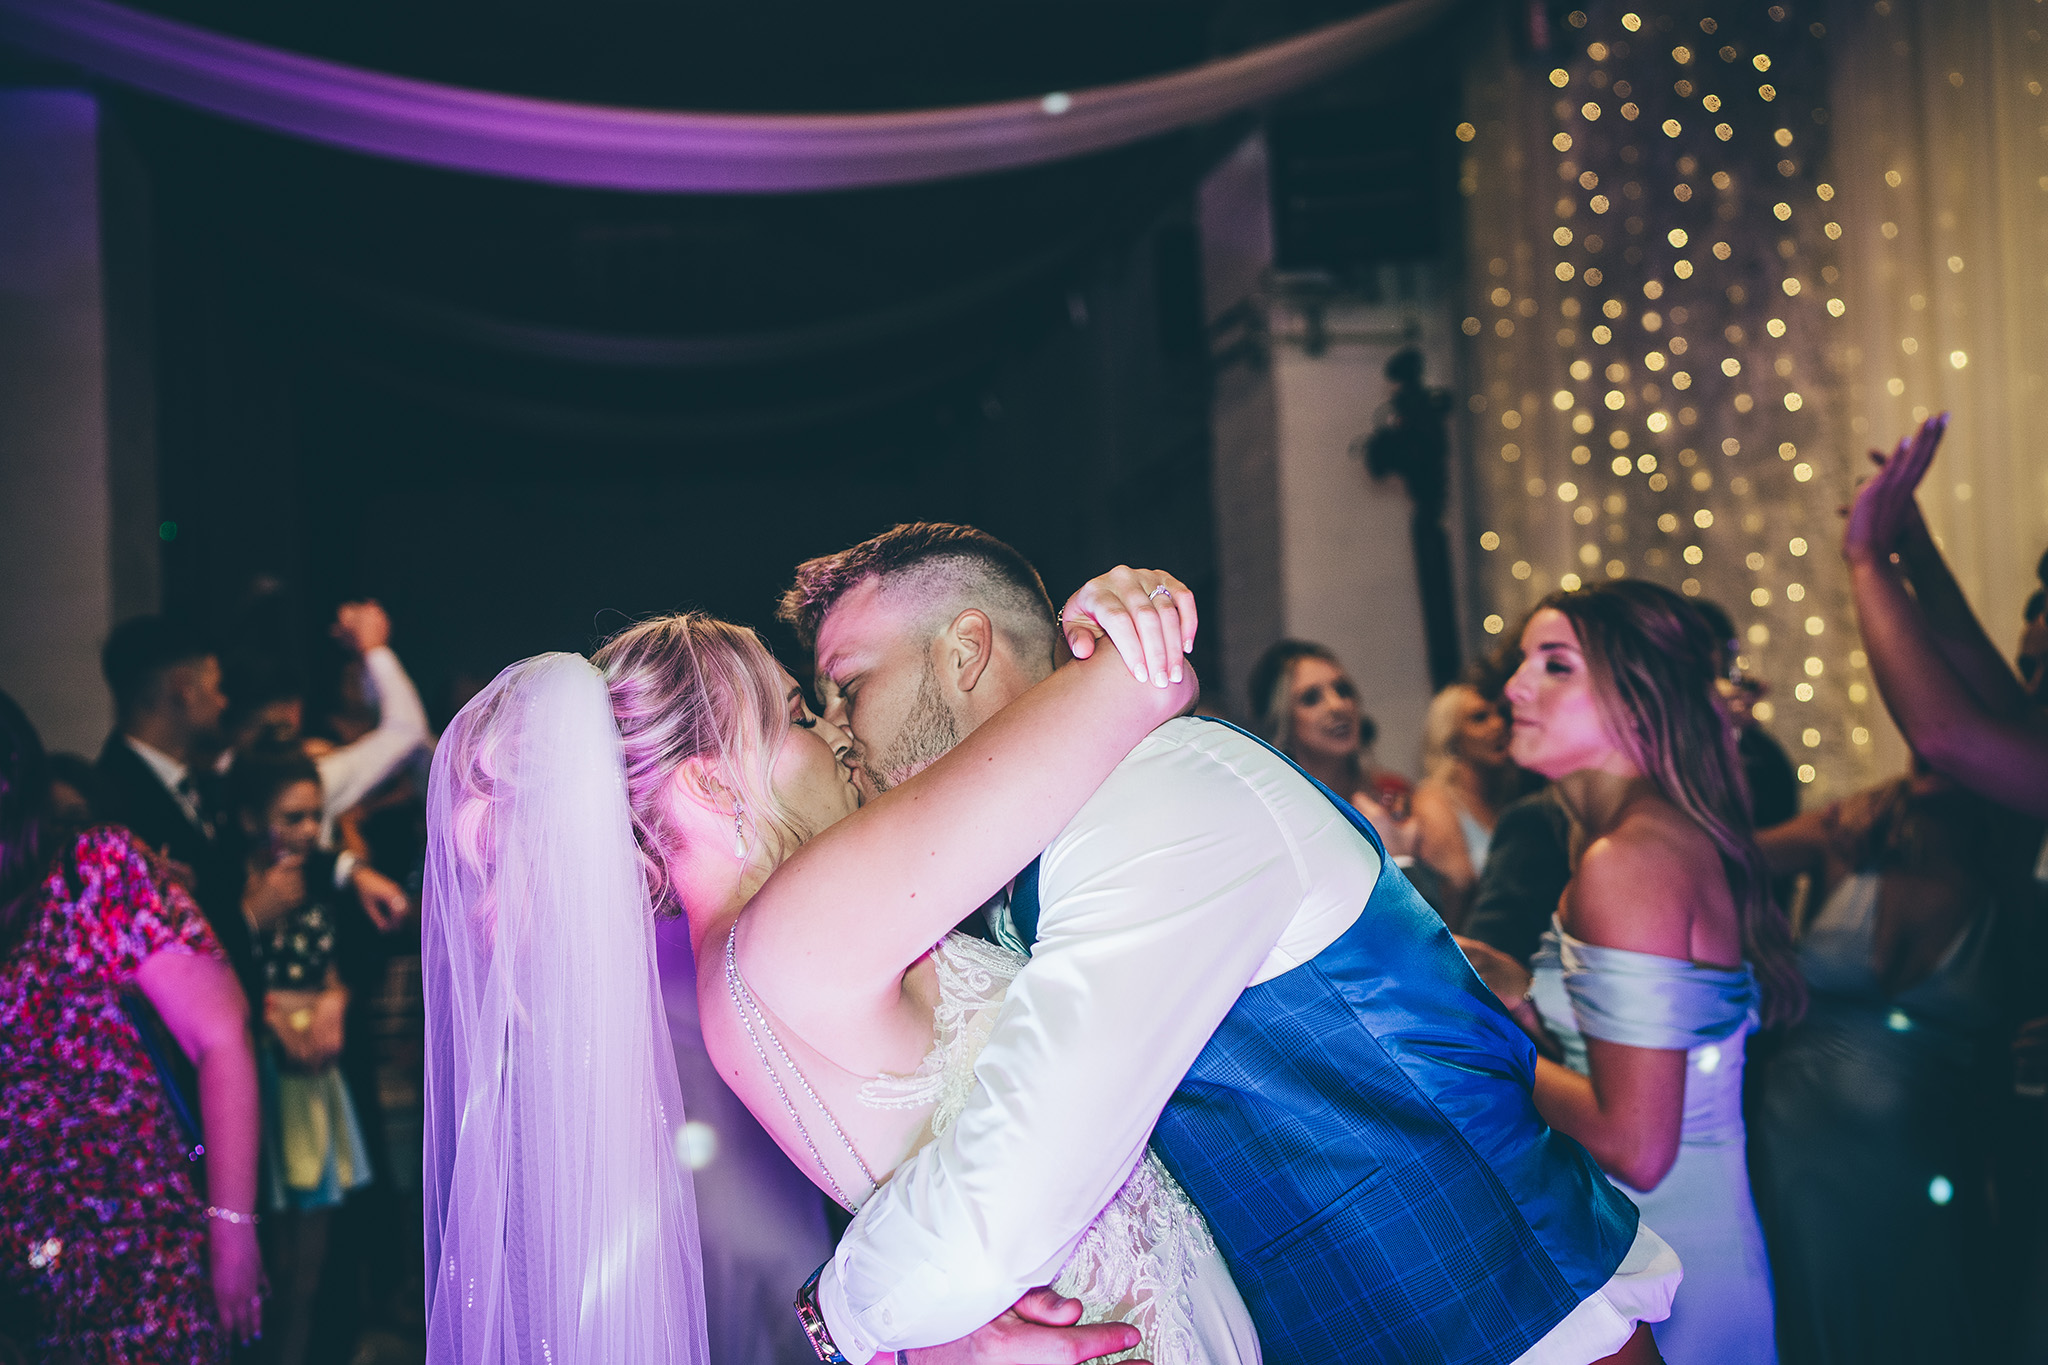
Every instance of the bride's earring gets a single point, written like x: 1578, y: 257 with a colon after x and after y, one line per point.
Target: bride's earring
x: 739, y: 830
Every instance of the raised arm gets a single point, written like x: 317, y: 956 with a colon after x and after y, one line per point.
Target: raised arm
x: 1996, y: 749
x: 1957, y: 632
x: 844, y: 917
x: 351, y: 772
x: 1887, y: 519
x: 2005, y: 759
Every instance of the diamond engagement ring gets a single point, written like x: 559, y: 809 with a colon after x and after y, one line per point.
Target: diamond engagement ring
x: 1161, y: 591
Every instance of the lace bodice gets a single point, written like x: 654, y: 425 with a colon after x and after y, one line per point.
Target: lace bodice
x: 1137, y: 1262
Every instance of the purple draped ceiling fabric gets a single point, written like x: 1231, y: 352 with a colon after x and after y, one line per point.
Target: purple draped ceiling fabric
x: 657, y: 151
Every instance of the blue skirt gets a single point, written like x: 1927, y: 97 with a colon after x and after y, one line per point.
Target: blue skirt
x: 313, y: 1148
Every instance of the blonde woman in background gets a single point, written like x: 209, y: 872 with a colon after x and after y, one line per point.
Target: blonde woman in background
x: 1467, y: 778
x: 1305, y: 705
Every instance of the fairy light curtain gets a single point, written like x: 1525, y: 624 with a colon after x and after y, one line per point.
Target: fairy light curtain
x: 1940, y: 155
x: 1703, y: 280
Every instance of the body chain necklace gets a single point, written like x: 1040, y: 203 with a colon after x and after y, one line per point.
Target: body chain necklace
x: 751, y: 1012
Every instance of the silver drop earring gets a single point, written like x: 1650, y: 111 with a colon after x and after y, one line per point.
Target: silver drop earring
x: 739, y: 832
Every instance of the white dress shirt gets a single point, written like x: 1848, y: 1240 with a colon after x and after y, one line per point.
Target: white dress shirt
x: 1202, y: 866
x: 352, y: 771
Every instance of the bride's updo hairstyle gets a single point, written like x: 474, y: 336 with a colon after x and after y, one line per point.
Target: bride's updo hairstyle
x: 691, y: 686
x: 1652, y: 661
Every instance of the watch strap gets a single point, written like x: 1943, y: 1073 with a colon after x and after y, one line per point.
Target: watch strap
x: 813, y: 1320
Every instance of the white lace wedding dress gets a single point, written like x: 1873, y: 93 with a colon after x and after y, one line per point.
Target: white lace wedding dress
x: 1148, y: 1259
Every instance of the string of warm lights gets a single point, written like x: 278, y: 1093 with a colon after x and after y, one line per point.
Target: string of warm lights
x: 1655, y: 299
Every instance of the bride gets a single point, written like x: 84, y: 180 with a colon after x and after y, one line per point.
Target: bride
x: 682, y: 769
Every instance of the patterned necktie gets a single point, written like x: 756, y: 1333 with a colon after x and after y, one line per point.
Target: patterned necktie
x: 188, y: 797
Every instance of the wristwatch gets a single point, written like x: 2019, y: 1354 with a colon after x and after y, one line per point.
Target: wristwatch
x: 814, y: 1321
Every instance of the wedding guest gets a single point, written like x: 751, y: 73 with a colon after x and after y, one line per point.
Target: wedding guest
x: 1954, y: 699
x: 105, y: 1238
x: 153, y: 770
x: 1877, y: 1113
x: 1773, y: 783
x: 1667, y: 950
x: 384, y: 728
x: 1528, y: 863
x: 1527, y: 858
x: 372, y: 821
x: 1305, y: 705
x: 313, y: 1142
x: 1467, y: 779
x: 389, y: 726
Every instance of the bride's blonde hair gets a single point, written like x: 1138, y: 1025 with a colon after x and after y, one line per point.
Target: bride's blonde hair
x: 691, y: 686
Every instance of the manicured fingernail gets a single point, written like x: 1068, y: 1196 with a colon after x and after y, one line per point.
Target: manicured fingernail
x: 1176, y: 674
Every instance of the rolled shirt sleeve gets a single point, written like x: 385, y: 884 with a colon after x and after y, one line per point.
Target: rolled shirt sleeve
x: 1169, y: 893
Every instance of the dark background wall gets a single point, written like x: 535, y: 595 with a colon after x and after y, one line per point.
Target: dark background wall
x: 519, y: 416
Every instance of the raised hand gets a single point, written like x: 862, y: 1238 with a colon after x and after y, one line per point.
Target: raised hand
x: 362, y: 626
x: 1884, y: 512
x: 1148, y: 614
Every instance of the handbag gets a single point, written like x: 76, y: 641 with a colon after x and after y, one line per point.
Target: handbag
x: 307, y: 1025
x: 174, y: 1071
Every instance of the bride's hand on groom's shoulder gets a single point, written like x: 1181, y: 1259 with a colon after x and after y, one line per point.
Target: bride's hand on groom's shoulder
x: 1039, y: 1329
x: 1147, y: 614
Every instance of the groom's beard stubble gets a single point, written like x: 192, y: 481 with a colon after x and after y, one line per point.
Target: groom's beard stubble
x: 928, y: 732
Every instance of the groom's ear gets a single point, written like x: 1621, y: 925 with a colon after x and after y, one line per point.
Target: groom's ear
x: 967, y: 648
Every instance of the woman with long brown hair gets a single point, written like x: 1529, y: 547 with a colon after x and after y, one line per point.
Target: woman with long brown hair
x: 1667, y: 949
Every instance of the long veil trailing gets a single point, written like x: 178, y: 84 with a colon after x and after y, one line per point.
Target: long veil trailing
x: 561, y: 1226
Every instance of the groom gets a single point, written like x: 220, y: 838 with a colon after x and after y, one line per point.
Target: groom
x: 1218, y: 947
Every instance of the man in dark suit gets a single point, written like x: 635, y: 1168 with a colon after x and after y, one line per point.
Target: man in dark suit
x: 167, y: 709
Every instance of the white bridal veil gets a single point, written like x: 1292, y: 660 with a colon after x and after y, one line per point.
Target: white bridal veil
x: 561, y: 1227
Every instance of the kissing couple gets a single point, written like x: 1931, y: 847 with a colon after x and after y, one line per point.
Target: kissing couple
x: 1200, y: 1078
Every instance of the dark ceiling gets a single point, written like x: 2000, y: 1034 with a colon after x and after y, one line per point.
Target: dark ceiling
x: 660, y: 313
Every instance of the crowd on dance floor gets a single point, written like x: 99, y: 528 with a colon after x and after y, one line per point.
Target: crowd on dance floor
x: 1811, y: 1045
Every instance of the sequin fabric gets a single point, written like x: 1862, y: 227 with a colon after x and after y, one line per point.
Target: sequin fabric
x: 102, y: 1234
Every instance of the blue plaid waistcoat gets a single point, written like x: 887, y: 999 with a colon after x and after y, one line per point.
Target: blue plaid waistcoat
x: 1362, y: 1135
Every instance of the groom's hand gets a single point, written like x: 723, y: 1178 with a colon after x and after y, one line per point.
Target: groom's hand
x: 1039, y: 1329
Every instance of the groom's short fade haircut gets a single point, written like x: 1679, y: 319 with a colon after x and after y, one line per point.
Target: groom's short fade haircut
x: 943, y: 565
